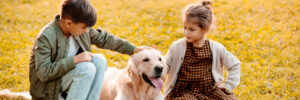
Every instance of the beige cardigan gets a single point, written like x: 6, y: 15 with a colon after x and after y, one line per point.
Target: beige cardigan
x: 221, y: 57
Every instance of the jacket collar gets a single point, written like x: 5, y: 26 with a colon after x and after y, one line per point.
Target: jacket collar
x: 59, y: 32
x: 61, y: 36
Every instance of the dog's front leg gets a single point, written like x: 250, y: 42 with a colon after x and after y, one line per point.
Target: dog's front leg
x: 122, y: 96
x: 159, y: 97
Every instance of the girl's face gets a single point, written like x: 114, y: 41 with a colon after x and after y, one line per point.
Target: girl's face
x: 193, y: 33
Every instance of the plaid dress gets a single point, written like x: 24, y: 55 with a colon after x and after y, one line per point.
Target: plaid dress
x: 195, y: 80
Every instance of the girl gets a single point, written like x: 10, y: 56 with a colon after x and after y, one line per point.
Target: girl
x: 196, y: 63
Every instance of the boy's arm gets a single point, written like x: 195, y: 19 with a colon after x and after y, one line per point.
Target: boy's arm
x: 232, y: 64
x: 46, y: 69
x: 105, y: 40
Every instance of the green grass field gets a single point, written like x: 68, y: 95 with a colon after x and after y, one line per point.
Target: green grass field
x: 263, y: 34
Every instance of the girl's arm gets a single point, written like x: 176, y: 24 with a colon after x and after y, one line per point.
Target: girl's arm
x: 232, y: 65
x: 168, y: 58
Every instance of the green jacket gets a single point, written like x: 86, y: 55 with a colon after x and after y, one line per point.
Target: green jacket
x: 49, y: 61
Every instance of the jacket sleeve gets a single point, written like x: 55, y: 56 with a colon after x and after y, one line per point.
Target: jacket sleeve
x: 105, y: 40
x: 169, y: 58
x: 46, y: 69
x: 232, y: 65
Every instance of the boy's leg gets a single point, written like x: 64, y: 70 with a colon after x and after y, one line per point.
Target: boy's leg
x: 79, y: 81
x: 66, y: 82
x: 101, y: 65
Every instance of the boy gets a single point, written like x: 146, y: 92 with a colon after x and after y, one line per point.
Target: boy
x: 61, y: 65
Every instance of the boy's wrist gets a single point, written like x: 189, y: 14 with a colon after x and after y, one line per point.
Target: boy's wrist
x: 75, y: 59
x: 136, y: 50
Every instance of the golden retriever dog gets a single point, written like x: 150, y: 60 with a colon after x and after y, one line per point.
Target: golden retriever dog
x: 7, y: 94
x: 141, y: 80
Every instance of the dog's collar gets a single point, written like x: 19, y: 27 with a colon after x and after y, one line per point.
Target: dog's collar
x: 147, y: 80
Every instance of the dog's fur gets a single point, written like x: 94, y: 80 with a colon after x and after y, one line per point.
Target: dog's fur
x: 6, y: 93
x: 129, y: 84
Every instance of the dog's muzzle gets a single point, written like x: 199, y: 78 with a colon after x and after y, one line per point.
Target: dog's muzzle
x: 145, y: 77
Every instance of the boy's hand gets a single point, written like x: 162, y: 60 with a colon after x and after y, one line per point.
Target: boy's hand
x: 141, y: 48
x: 83, y: 57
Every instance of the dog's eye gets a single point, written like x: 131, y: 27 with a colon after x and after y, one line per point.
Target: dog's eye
x: 159, y: 59
x: 146, y: 59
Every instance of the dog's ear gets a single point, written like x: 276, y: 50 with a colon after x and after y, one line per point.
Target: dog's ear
x: 154, y: 47
x: 156, y: 51
x: 132, y: 70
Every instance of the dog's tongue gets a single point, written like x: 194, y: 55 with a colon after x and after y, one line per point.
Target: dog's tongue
x: 157, y: 82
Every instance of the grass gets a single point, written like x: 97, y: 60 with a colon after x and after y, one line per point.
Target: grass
x: 263, y: 34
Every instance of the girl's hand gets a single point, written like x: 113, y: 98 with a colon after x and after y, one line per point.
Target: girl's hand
x: 221, y: 86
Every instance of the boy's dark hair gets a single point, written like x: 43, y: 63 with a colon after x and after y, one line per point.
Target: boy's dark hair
x: 199, y: 13
x: 79, y: 11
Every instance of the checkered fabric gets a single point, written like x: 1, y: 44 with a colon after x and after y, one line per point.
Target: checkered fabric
x: 195, y: 80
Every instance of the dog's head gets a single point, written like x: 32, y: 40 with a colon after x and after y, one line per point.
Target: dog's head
x: 150, y: 65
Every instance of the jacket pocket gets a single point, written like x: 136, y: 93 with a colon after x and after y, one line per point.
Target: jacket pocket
x: 37, y: 87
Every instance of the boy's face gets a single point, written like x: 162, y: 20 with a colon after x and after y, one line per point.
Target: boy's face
x: 76, y: 29
x: 192, y: 32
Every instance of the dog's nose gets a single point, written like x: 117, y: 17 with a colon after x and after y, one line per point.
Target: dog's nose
x: 158, y: 69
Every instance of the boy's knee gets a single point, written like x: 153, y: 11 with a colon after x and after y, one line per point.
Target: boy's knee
x: 86, y: 68
x: 100, y: 61
x: 99, y: 56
